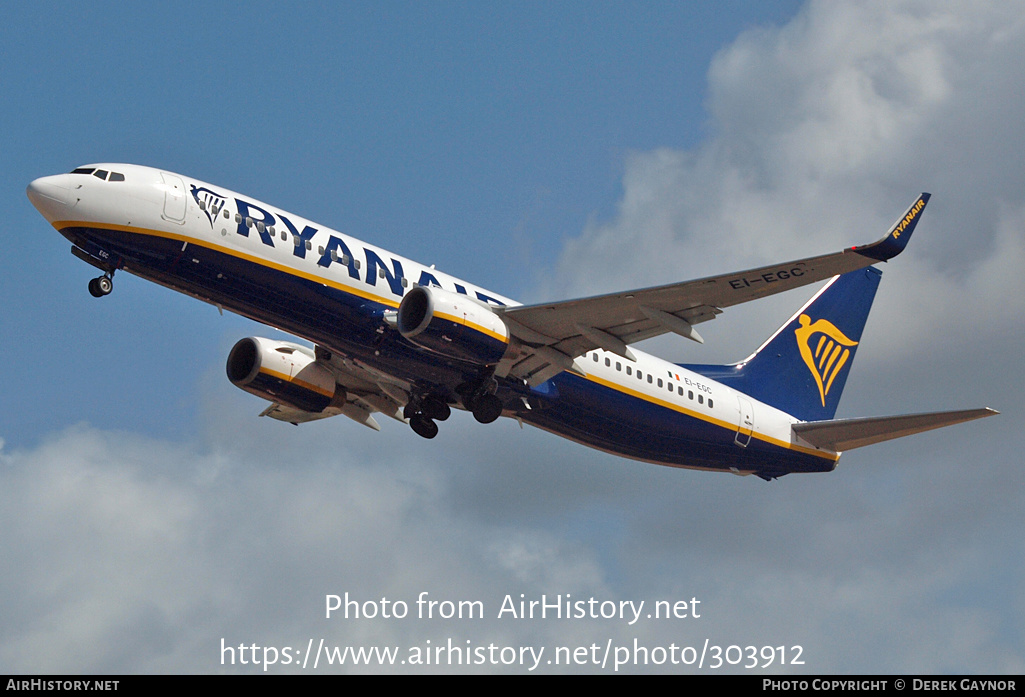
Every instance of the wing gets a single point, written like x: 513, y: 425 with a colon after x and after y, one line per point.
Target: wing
x: 365, y: 392
x: 549, y: 336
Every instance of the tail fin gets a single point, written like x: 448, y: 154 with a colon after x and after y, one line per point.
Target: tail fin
x: 802, y: 368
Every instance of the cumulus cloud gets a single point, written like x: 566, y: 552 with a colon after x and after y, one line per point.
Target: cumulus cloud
x: 823, y: 132
x: 139, y: 555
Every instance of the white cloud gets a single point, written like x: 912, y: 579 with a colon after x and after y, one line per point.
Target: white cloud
x: 823, y: 131
x: 134, y: 554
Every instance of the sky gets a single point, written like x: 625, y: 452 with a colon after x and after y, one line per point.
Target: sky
x: 543, y: 151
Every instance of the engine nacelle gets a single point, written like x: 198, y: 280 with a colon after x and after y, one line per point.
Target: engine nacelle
x: 452, y: 325
x: 282, y: 372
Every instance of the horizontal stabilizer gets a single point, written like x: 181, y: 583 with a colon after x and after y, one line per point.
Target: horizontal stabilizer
x: 847, y: 434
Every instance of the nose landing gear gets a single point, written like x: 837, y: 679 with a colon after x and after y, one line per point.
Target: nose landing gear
x: 98, y: 287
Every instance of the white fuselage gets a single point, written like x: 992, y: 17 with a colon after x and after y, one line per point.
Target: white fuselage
x: 255, y: 249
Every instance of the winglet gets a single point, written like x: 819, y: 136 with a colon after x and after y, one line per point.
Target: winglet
x: 897, y: 238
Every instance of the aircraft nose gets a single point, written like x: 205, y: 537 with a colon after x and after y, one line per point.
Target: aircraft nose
x: 50, y: 195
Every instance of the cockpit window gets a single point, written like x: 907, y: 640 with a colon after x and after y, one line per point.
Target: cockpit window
x: 100, y: 174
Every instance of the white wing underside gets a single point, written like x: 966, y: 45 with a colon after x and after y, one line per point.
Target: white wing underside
x: 367, y: 392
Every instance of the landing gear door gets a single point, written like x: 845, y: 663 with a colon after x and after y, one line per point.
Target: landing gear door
x: 746, y: 424
x: 174, y: 198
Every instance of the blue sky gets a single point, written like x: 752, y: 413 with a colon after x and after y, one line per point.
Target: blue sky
x: 449, y: 132
x: 542, y: 150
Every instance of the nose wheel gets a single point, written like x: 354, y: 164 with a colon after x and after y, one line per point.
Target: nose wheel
x: 98, y: 287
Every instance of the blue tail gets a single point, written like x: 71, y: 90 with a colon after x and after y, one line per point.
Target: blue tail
x: 802, y: 368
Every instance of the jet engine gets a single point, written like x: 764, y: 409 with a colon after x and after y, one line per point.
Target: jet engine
x: 453, y: 325
x: 282, y: 372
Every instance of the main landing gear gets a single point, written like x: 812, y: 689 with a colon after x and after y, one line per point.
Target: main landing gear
x: 485, y: 408
x: 479, y: 397
x: 98, y: 287
x: 422, y: 414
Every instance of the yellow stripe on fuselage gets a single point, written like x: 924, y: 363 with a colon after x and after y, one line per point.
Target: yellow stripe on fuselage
x: 262, y: 261
x: 729, y: 426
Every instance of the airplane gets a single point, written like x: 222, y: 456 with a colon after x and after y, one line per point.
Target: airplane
x: 394, y: 337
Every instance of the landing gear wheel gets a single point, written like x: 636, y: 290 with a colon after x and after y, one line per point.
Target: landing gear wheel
x: 436, y: 408
x: 98, y: 287
x: 487, y: 408
x: 423, y: 427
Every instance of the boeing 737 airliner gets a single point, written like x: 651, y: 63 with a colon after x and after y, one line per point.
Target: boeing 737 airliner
x: 406, y: 340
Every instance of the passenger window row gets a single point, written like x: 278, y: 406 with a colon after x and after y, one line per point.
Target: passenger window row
x: 214, y: 210
x: 296, y: 240
x: 669, y: 384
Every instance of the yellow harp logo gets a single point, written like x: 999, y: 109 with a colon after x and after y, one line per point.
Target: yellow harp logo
x: 832, y: 349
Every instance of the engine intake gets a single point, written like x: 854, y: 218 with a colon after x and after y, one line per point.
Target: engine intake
x: 282, y: 372
x: 453, y: 325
